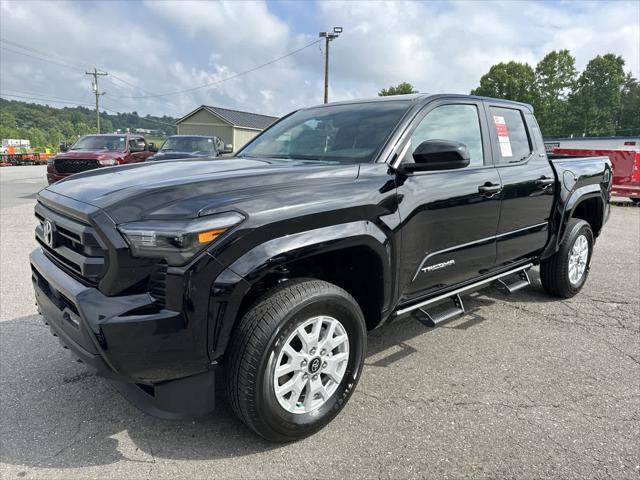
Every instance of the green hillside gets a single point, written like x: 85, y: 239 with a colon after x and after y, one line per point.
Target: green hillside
x: 48, y: 127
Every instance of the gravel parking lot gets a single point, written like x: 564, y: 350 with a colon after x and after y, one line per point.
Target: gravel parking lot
x: 522, y: 386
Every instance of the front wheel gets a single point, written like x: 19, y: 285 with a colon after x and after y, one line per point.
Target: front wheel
x: 565, y: 273
x: 295, y: 359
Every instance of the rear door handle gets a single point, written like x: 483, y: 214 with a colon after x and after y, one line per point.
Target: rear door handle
x: 545, y: 181
x: 489, y: 189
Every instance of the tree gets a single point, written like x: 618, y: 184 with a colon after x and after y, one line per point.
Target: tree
x: 401, y: 89
x: 628, y: 122
x: 595, y: 104
x: 555, y: 78
x: 512, y: 81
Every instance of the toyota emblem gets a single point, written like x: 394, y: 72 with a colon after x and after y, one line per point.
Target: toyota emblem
x: 47, y: 231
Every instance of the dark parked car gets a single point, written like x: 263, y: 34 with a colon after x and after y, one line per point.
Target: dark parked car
x: 272, y: 265
x: 190, y: 146
x: 95, y: 151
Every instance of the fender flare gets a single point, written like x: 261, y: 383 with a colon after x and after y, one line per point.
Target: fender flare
x: 230, y: 287
x: 564, y: 211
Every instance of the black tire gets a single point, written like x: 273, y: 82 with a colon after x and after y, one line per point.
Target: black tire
x: 635, y: 200
x: 259, y: 336
x: 554, y: 271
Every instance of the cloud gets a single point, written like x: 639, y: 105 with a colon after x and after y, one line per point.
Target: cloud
x: 159, y: 47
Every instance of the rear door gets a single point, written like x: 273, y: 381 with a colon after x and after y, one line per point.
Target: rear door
x: 528, y: 181
x: 449, y: 217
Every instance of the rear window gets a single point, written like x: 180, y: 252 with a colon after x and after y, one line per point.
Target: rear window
x: 514, y: 144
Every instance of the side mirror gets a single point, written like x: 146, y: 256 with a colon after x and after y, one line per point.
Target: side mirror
x: 438, y: 155
x: 152, y: 147
x: 64, y: 147
x: 228, y: 148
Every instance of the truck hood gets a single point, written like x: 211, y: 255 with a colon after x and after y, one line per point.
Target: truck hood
x: 188, y: 188
x: 90, y: 155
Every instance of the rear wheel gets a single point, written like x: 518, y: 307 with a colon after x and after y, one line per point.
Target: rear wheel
x: 295, y: 359
x: 565, y: 273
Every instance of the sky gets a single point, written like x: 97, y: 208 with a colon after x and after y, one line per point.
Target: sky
x: 154, y: 49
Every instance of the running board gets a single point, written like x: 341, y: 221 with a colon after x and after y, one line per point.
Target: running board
x: 518, y: 284
x: 461, y: 290
x: 433, y: 319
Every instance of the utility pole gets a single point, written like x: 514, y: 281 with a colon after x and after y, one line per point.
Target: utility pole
x: 327, y: 38
x: 95, y: 74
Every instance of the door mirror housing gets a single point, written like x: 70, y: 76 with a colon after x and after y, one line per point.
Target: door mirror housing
x: 228, y: 148
x: 438, y: 155
x: 152, y: 147
x: 64, y: 147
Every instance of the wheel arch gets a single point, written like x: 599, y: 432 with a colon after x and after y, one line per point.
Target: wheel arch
x: 586, y: 203
x: 355, y: 256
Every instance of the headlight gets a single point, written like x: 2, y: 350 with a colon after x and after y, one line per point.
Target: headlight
x: 177, y: 241
x: 109, y: 162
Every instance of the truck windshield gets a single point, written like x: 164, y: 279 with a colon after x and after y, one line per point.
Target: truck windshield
x: 351, y: 133
x: 189, y: 144
x: 100, y: 142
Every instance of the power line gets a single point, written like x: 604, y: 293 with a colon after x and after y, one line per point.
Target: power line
x: 167, y: 94
x: 39, y: 58
x: 34, y: 96
x: 210, y: 84
x: 146, y: 119
x: 12, y: 91
x: 121, y: 80
x: 43, y: 99
x: 67, y: 60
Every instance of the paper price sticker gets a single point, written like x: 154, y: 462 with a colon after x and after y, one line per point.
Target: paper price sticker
x: 501, y: 126
x: 503, y: 136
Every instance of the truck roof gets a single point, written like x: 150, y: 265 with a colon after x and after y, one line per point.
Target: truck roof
x: 422, y: 98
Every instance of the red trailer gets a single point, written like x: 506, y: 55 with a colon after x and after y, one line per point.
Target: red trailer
x: 626, y: 168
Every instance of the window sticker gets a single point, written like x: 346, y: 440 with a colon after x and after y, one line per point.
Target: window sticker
x: 209, y: 140
x: 503, y: 136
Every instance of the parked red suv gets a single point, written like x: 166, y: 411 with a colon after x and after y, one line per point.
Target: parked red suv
x: 95, y: 151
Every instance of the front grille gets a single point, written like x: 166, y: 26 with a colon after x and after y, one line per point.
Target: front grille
x: 63, y: 165
x: 72, y: 245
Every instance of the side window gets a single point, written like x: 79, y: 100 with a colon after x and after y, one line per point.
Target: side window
x: 459, y: 123
x: 514, y: 144
x: 136, y: 145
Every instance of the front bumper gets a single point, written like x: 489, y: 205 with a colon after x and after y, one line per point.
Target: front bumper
x: 148, y: 352
x: 53, y: 176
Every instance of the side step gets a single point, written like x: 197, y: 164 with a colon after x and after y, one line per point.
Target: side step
x: 523, y: 281
x: 454, y: 296
x: 433, y: 319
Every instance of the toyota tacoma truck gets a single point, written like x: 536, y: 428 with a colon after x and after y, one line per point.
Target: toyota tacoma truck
x: 266, y: 270
x: 96, y: 151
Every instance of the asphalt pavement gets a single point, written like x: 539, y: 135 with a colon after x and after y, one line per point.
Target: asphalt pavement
x: 523, y: 386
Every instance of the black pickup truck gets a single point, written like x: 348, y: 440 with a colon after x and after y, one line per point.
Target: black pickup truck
x: 266, y: 270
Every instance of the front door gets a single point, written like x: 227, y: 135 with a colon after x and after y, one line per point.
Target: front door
x: 450, y: 217
x: 139, y: 149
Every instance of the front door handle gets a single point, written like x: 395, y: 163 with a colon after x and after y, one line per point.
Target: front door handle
x: 489, y: 189
x: 545, y: 181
